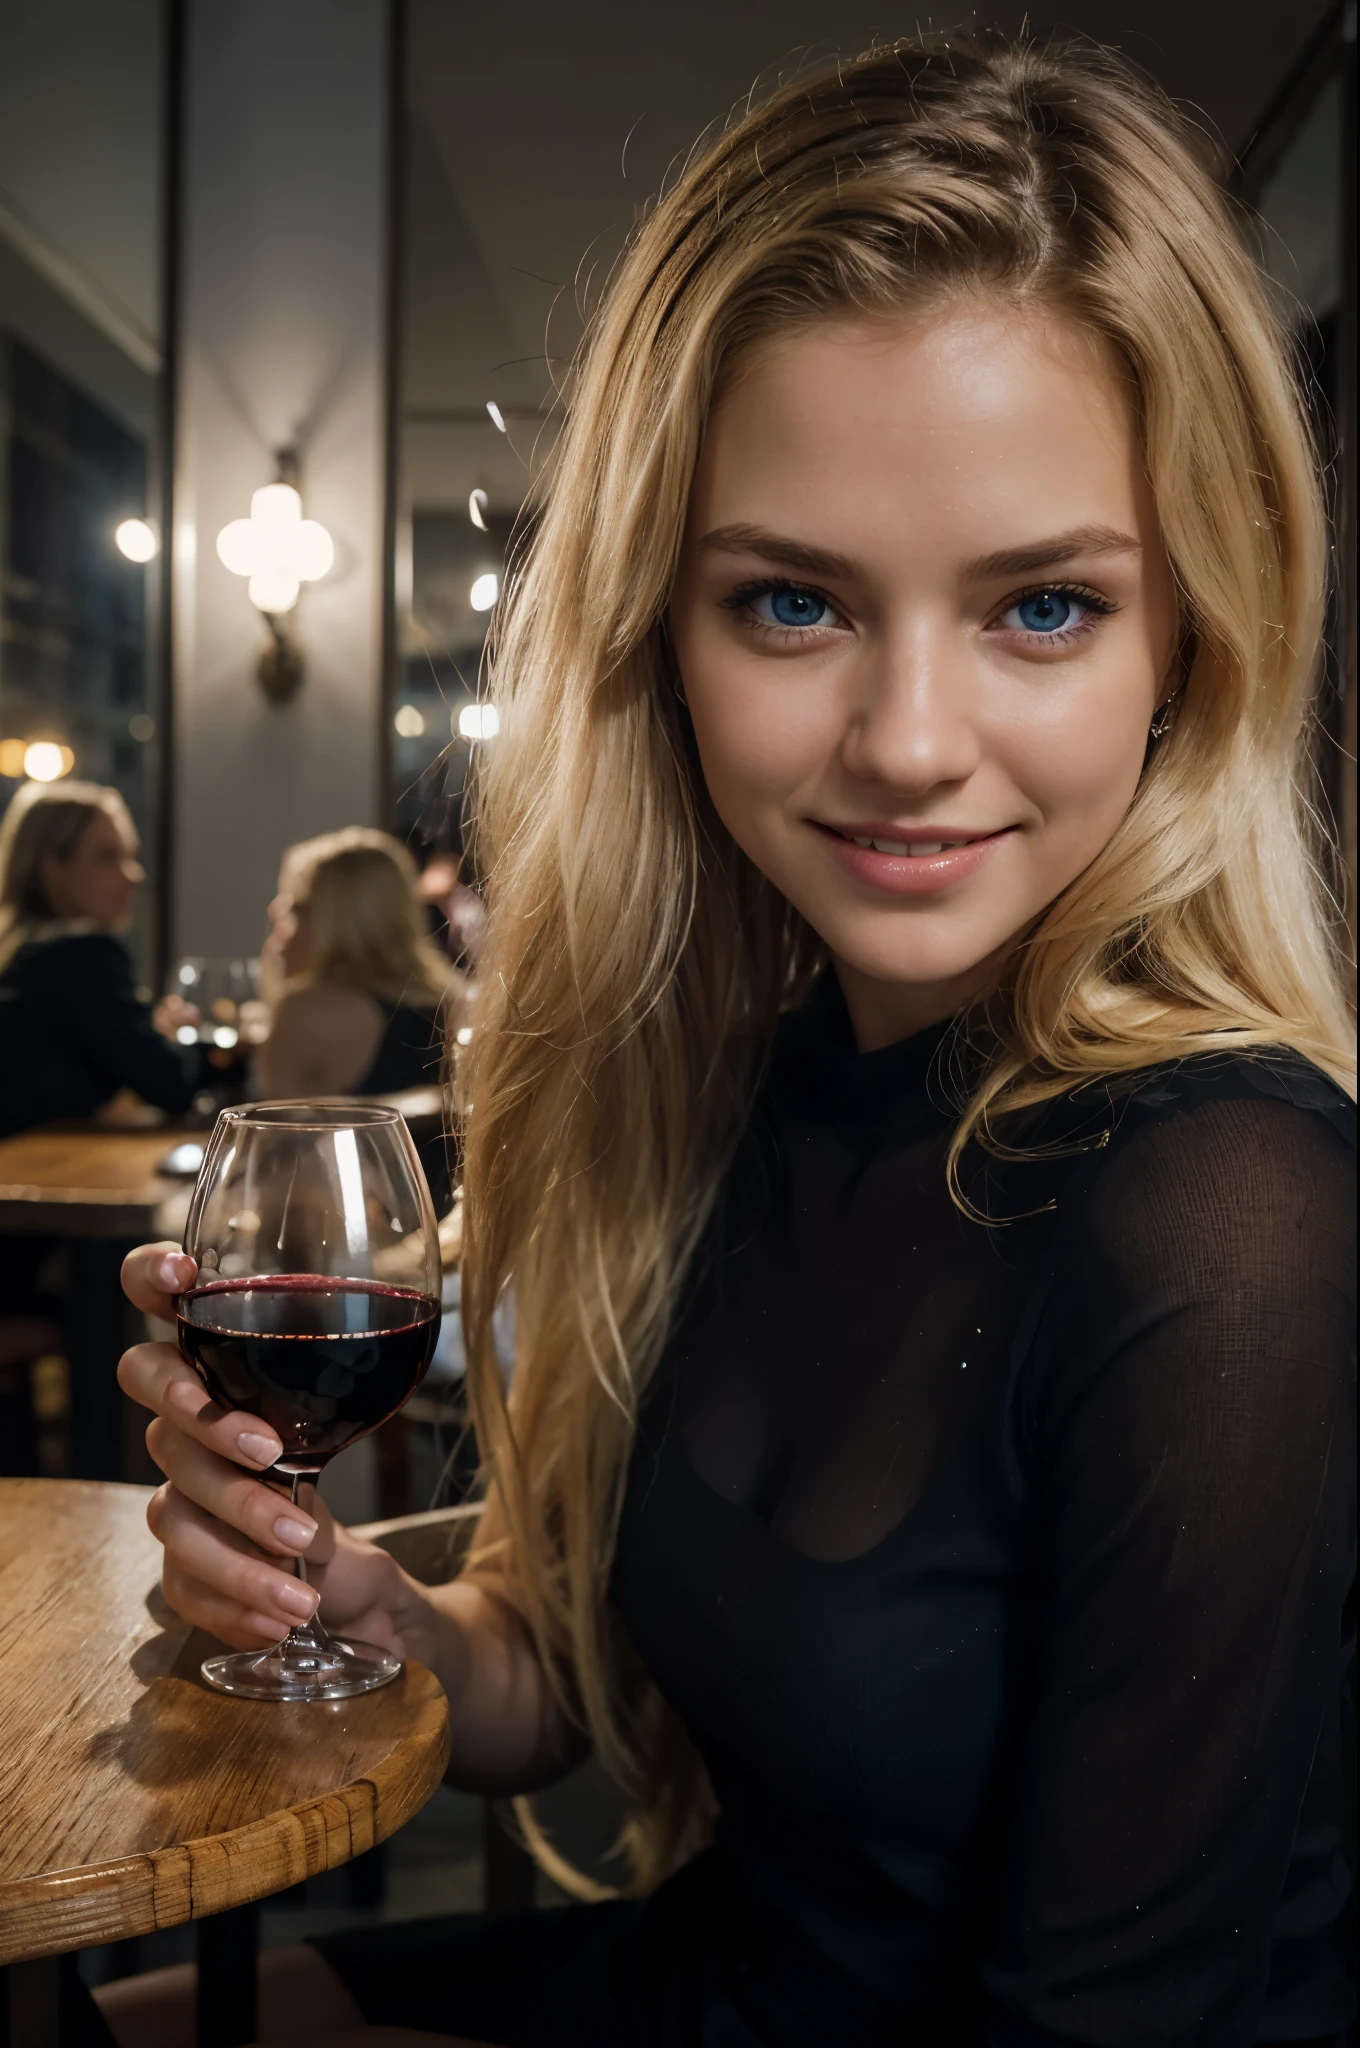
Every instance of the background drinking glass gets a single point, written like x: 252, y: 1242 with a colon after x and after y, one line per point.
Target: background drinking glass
x: 221, y: 991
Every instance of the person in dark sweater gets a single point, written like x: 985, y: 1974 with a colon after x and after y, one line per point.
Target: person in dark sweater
x: 73, y: 1030
x: 912, y: 1104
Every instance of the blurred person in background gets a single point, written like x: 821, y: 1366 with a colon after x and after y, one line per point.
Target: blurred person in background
x: 455, y: 906
x: 73, y: 1030
x: 361, y: 995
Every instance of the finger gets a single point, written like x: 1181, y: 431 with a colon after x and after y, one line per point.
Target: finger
x: 154, y: 1274
x: 232, y: 1569
x: 157, y: 1377
x: 259, y: 1513
x: 217, y: 1614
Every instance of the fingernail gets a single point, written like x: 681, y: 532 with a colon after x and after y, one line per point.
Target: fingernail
x: 170, y: 1270
x: 261, y: 1449
x: 296, y: 1598
x: 297, y: 1533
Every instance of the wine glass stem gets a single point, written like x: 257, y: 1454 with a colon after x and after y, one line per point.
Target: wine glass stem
x: 299, y: 1562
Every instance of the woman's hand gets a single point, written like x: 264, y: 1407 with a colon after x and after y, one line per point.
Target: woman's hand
x: 230, y: 1539
x: 171, y: 1012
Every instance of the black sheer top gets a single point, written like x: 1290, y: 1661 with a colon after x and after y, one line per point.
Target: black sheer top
x: 1001, y: 1572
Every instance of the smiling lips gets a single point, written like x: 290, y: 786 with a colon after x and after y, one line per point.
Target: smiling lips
x: 923, y: 865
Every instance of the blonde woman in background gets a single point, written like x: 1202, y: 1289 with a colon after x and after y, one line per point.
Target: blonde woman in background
x: 913, y: 1101
x: 361, y: 996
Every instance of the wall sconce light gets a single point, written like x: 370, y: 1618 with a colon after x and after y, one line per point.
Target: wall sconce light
x: 279, y: 551
x: 137, y: 539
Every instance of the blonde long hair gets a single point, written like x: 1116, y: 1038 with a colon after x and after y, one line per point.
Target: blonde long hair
x: 367, y: 926
x: 636, y: 962
x: 44, y: 820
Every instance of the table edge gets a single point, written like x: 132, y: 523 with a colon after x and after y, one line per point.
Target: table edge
x: 90, y: 1904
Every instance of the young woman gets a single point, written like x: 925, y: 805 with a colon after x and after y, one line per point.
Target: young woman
x: 366, y: 995
x: 72, y: 1030
x: 912, y: 1105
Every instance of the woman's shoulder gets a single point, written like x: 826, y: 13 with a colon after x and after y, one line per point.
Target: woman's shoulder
x: 1227, y: 1161
x: 1259, y: 1076
x: 78, y: 955
x: 1211, y: 1219
x: 1258, y: 1091
x: 309, y: 1002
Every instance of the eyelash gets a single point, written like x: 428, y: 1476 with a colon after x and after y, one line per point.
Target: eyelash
x: 741, y: 599
x: 745, y: 595
x: 1097, y: 607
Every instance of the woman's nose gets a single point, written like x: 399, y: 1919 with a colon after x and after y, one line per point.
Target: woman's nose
x: 915, y: 725
x: 134, y: 872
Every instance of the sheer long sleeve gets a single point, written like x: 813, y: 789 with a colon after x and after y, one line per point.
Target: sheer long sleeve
x: 1191, y: 1427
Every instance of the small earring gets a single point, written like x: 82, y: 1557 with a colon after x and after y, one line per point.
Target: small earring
x: 1161, y: 724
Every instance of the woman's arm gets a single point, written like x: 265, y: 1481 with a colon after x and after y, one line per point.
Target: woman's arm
x: 1192, y: 1433
x: 321, y: 1042
x: 230, y: 1541
x: 86, y: 984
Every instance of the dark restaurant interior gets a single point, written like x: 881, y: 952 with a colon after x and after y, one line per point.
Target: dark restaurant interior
x: 288, y: 295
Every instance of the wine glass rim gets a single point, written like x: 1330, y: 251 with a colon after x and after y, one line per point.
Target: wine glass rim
x: 307, y: 1114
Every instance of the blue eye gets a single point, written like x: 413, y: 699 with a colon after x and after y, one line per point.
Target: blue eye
x: 788, y: 606
x: 1046, y: 611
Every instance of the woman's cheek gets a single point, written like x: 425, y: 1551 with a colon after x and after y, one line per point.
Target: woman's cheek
x: 762, y: 733
x: 1080, y: 773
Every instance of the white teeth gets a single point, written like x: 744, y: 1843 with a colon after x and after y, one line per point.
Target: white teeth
x: 914, y: 849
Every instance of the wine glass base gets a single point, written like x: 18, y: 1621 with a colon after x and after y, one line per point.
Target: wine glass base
x: 333, y: 1670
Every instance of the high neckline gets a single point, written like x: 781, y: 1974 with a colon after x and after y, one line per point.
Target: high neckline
x: 818, y: 1067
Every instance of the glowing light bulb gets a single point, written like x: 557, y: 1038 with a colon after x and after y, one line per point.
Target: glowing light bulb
x: 479, y: 721
x: 274, y: 508
x: 136, y: 539
x: 276, y: 548
x: 477, y: 511
x: 497, y: 416
x: 46, y: 761
x: 409, y: 722
x: 272, y: 591
x: 484, y: 592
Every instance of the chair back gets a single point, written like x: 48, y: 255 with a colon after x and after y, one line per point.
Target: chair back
x: 432, y: 1546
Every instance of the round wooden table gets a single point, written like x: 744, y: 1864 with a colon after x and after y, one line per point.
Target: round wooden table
x: 133, y: 1797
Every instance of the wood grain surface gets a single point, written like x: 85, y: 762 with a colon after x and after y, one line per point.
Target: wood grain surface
x: 85, y: 1183
x: 131, y: 1795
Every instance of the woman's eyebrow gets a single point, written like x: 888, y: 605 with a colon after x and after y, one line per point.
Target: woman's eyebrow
x: 1050, y: 553
x: 775, y: 547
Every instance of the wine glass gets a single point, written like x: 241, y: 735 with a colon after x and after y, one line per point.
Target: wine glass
x: 316, y: 1307
x: 220, y: 991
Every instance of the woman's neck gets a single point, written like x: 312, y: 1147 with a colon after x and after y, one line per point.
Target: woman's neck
x: 884, y: 1012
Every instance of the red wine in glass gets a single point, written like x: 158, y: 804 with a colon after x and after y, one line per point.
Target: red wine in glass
x: 316, y: 1308
x: 322, y: 1361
